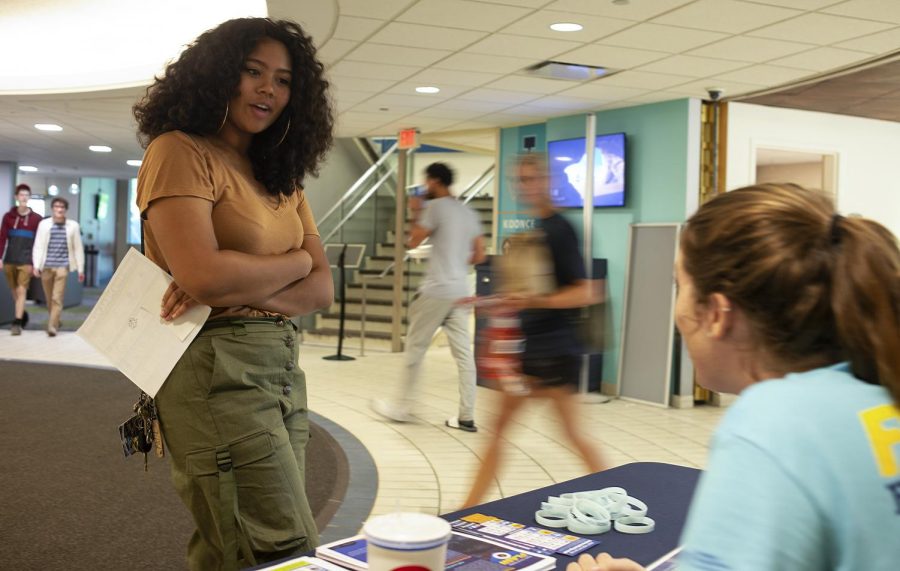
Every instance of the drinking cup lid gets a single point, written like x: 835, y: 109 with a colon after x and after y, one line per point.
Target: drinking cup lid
x: 407, y: 531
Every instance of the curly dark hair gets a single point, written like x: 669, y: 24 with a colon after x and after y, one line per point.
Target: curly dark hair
x: 193, y: 96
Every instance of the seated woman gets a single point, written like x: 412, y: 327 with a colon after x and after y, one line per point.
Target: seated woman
x: 797, y: 309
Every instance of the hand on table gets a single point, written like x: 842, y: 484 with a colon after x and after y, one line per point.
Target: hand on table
x: 175, y: 302
x: 603, y: 562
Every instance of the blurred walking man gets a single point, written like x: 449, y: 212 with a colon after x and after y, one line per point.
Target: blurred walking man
x: 454, y: 232
x: 57, y: 249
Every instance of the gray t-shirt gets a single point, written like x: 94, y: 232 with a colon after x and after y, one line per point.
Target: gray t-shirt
x: 454, y: 227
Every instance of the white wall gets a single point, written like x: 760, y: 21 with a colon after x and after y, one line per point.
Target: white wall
x: 868, y: 172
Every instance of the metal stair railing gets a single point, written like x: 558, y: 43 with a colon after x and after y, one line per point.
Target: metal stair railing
x: 357, y: 185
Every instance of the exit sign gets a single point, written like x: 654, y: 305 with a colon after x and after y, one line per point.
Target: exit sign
x: 408, y: 139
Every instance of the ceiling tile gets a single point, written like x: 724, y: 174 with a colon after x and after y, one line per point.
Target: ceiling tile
x: 725, y: 16
x: 602, y: 92
x: 480, y: 107
x: 334, y: 50
x: 645, y: 80
x: 498, y: 95
x: 662, y: 38
x: 701, y: 87
x: 347, y: 99
x: 408, y: 88
x: 382, y: 10
x: 485, y: 63
x: 409, y: 100
x: 373, y: 70
x: 881, y: 10
x: 820, y: 29
x: 416, y: 35
x: 528, y: 3
x: 441, y: 77
x: 441, y: 111
x: 463, y: 14
x: 693, y: 66
x: 353, y: 28
x: 798, y: 4
x: 538, y: 25
x: 536, y: 85
x: 768, y: 75
x: 638, y: 11
x: 521, y: 46
x: 880, y: 43
x: 382, y: 53
x: 564, y: 103
x: 350, y: 83
x: 655, y: 97
x: 744, y: 48
x: 612, y: 57
x: 821, y: 59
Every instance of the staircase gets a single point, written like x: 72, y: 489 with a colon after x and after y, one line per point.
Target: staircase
x: 379, y: 291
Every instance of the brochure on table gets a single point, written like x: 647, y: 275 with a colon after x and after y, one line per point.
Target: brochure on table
x: 533, y: 539
x: 464, y: 553
x: 305, y: 563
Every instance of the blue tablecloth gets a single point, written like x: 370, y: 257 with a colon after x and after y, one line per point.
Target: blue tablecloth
x: 666, y: 489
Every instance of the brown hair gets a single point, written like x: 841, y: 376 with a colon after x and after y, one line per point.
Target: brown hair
x: 60, y: 200
x: 816, y: 287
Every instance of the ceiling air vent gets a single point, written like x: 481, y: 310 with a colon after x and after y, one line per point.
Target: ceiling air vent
x: 567, y: 71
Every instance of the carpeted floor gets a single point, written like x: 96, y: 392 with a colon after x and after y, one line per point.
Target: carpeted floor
x: 68, y: 497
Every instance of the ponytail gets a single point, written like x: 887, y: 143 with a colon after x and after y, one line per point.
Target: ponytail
x: 865, y: 299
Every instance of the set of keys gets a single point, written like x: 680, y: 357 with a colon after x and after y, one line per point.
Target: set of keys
x: 141, y: 432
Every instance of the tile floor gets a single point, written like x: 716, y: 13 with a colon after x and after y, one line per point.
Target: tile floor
x: 425, y: 466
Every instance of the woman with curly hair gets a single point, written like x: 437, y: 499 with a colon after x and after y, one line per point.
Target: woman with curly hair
x: 232, y: 129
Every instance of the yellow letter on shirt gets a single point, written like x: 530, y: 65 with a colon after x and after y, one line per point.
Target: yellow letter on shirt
x: 882, y: 425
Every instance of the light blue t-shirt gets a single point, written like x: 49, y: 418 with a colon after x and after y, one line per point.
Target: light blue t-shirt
x: 804, y: 474
x: 454, y: 227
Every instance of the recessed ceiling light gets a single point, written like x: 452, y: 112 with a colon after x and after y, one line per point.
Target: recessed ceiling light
x: 427, y: 89
x: 100, y: 148
x: 47, y: 127
x: 566, y: 27
x: 133, y: 162
x: 53, y: 190
x: 73, y: 188
x: 27, y: 168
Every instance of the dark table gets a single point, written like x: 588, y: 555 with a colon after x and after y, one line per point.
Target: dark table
x: 666, y: 489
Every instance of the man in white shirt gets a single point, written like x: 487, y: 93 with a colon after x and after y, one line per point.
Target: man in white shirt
x: 454, y: 232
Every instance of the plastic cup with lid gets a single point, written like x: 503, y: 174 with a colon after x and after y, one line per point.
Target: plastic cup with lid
x: 407, y: 542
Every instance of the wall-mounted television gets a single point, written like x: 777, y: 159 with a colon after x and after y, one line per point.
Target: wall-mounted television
x: 568, y: 169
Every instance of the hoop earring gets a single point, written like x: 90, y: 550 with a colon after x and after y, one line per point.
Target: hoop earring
x: 225, y: 118
x: 281, y: 140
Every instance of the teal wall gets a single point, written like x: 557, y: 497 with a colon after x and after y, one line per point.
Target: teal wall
x: 656, y: 187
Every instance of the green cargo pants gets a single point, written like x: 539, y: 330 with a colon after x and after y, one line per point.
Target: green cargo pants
x: 234, y: 418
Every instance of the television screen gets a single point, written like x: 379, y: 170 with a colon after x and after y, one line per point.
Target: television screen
x: 568, y: 169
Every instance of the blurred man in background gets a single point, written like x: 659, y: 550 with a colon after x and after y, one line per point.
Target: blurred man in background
x: 17, y: 233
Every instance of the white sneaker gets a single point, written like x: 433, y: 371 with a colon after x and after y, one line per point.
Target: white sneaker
x: 389, y: 410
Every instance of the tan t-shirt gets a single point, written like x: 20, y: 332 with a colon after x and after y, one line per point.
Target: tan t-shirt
x: 245, y: 217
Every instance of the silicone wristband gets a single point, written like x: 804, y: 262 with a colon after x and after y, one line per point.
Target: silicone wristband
x: 552, y: 519
x: 588, y: 528
x: 634, y: 507
x: 635, y: 525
